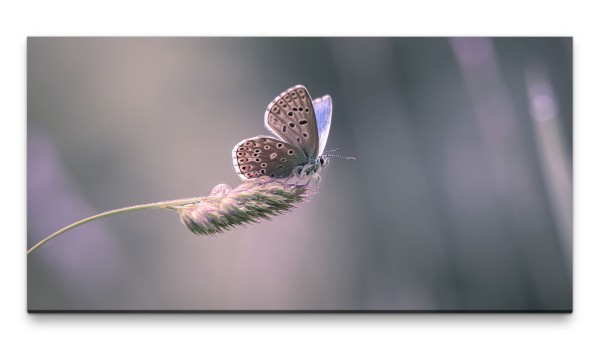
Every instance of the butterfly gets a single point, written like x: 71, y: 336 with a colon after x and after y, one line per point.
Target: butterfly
x: 301, y: 126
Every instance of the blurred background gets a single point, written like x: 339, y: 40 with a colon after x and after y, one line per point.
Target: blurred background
x: 461, y: 197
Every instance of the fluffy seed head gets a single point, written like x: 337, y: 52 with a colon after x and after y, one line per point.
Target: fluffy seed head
x: 249, y: 202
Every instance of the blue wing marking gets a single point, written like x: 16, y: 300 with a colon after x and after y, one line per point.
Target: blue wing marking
x: 323, y: 108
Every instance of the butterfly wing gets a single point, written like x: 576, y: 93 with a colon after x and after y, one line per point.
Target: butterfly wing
x: 266, y: 156
x: 291, y: 116
x: 323, y: 110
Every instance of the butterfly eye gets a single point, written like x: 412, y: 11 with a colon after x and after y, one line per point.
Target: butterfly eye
x: 321, y: 161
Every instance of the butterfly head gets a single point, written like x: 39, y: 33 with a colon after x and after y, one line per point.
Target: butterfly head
x: 323, y: 161
x: 314, y: 166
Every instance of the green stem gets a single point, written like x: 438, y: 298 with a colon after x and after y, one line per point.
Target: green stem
x: 160, y: 204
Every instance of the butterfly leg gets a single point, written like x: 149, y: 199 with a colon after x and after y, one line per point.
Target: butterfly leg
x: 297, y: 173
x: 289, y: 178
x: 317, y: 177
x: 305, y: 170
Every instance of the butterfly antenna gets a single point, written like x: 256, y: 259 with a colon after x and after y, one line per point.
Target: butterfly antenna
x: 339, y: 156
x: 332, y: 150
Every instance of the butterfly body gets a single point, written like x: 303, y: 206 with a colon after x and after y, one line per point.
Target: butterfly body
x: 301, y: 126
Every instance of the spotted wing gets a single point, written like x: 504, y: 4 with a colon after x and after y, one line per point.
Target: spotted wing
x: 266, y: 156
x: 291, y: 116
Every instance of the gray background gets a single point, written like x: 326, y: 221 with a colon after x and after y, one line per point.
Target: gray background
x: 461, y: 197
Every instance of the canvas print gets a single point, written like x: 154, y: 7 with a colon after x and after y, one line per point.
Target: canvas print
x: 291, y: 174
